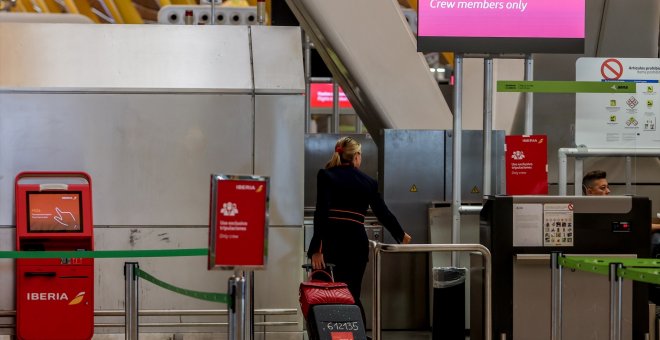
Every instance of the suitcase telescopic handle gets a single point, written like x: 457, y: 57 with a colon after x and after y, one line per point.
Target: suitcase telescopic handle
x: 328, y: 267
x: 309, y: 267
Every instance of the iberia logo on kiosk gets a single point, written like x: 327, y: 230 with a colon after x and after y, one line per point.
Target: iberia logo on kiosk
x: 55, y: 296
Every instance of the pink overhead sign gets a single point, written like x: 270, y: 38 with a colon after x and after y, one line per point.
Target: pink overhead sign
x: 501, y: 26
x: 504, y: 19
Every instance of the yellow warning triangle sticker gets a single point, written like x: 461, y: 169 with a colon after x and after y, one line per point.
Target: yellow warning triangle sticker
x: 413, y: 188
x: 475, y: 190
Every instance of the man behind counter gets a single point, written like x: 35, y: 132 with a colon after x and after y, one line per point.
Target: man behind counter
x: 594, y: 183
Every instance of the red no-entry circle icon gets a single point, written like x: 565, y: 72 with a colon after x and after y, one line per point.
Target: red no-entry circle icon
x: 611, y: 69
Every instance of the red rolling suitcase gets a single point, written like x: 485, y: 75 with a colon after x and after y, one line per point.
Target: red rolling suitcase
x: 318, y: 292
x: 329, y: 308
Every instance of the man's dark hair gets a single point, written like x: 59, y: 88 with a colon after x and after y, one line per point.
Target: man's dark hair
x: 590, y: 177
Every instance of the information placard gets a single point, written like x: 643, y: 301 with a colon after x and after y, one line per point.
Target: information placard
x: 558, y: 225
x: 527, y: 224
x: 526, y: 165
x: 238, y: 222
x: 618, y: 120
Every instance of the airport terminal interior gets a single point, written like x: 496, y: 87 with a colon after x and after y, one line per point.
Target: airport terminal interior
x: 160, y: 169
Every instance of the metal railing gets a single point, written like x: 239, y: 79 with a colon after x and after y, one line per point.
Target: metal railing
x: 378, y: 248
x: 179, y: 313
x: 580, y: 153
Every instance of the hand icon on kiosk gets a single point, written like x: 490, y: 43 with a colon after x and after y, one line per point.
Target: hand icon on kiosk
x: 68, y: 217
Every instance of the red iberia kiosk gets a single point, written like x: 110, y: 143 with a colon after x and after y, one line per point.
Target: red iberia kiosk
x: 54, y: 297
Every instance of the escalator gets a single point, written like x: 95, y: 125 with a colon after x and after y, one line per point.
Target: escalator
x: 370, y: 51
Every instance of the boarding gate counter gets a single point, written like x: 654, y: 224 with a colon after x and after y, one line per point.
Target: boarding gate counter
x: 522, y: 231
x: 54, y: 297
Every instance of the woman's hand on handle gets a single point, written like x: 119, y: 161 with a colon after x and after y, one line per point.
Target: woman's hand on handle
x: 317, y: 261
x: 406, y: 238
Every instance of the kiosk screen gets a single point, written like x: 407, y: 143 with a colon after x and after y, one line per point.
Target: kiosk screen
x: 54, y: 211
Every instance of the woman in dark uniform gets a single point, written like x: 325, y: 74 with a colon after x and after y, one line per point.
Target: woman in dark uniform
x: 344, y: 193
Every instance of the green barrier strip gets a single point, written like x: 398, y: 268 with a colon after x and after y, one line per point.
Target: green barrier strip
x: 213, y: 297
x: 87, y: 254
x: 585, y: 264
x: 648, y: 275
x: 643, y: 270
x: 566, y: 86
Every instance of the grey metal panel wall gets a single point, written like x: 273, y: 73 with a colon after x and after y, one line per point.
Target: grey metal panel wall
x: 131, y: 57
x: 413, y: 158
x: 472, y: 165
x: 410, y: 157
x: 277, y: 59
x: 150, y: 146
x: 150, y: 155
x: 7, y: 270
x: 279, y: 149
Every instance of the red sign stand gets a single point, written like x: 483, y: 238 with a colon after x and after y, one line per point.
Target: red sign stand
x: 526, y: 165
x: 237, y: 240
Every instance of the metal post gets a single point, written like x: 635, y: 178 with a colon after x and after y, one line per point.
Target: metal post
x: 249, y: 303
x: 529, y: 96
x: 261, y: 12
x: 556, y: 303
x: 651, y: 333
x: 375, y: 309
x: 231, y: 308
x: 237, y: 310
x: 131, y: 300
x: 456, y: 156
x: 308, y: 86
x: 629, y: 175
x: 616, y: 282
x: 563, y: 166
x: 335, y: 107
x: 240, y: 307
x: 488, y: 125
x: 213, y: 12
x: 578, y: 172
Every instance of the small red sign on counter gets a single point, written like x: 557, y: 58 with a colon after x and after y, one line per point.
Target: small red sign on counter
x: 526, y: 165
x: 238, y: 222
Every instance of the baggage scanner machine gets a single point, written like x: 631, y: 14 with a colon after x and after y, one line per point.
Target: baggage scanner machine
x: 54, y: 297
x: 522, y: 231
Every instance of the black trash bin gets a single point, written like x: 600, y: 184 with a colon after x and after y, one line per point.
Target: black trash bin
x: 449, y: 303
